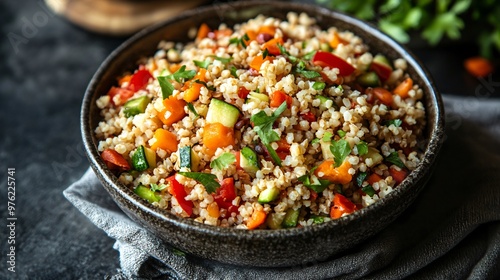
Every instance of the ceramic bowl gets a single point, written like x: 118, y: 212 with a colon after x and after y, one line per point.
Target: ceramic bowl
x: 264, y: 248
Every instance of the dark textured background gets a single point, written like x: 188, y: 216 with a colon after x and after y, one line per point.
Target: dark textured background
x: 42, y: 81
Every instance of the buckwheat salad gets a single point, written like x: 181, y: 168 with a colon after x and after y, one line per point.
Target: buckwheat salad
x: 268, y: 124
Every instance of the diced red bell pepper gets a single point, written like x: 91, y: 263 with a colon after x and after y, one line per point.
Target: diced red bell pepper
x: 124, y: 94
x: 114, y: 160
x: 383, y: 71
x: 398, y: 175
x: 327, y: 59
x: 341, y: 205
x: 243, y: 92
x: 177, y: 190
x: 373, y: 178
x: 308, y: 116
x: 225, y: 194
x: 278, y: 97
x: 139, y: 80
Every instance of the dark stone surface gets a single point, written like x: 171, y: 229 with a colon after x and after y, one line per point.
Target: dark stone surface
x: 45, y: 65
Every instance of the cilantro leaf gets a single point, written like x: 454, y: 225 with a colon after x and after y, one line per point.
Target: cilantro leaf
x: 206, y: 179
x: 318, y: 219
x: 311, y: 181
x: 166, y: 87
x: 224, y: 60
x: 308, y: 74
x: 315, y: 140
x: 273, y: 154
x: 327, y: 137
x: 157, y: 188
x: 368, y: 189
x: 395, y: 122
x: 362, y: 148
x: 202, y: 64
x: 340, y: 150
x: 394, y: 159
x: 309, y: 55
x: 223, y: 161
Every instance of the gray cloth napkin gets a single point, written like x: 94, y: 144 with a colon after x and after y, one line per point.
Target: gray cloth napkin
x: 452, y: 231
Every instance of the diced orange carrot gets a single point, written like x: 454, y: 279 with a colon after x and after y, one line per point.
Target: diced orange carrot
x: 258, y: 60
x: 398, y: 174
x: 213, y: 210
x: 272, y: 46
x: 336, y: 40
x: 258, y: 217
x: 124, y: 79
x: 174, y: 67
x: 173, y: 112
x: 339, y: 175
x: 373, y: 178
x: 216, y: 135
x: 252, y: 35
x: 114, y: 160
x: 202, y: 31
x: 165, y: 140
x: 193, y: 92
x: 383, y: 95
x: 201, y: 75
x: 268, y: 29
x: 278, y: 97
x: 478, y: 66
x: 403, y: 88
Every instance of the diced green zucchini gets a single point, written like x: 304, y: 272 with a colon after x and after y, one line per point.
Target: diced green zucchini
x: 274, y: 220
x: 291, y: 218
x: 325, y: 149
x: 323, y: 99
x: 374, y: 155
x: 258, y: 97
x: 249, y: 161
x: 139, y: 161
x: 325, y: 47
x: 369, y: 79
x: 185, y: 156
x: 150, y: 157
x: 147, y: 194
x: 318, y: 219
x: 136, y: 106
x: 268, y: 195
x: 222, y: 112
x: 195, y: 161
x: 380, y: 59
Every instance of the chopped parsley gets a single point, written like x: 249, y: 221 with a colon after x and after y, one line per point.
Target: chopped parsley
x: 157, y: 188
x: 318, y: 219
x: 212, y: 88
x: 240, y: 41
x: 368, y: 189
x: 224, y: 60
x: 361, y: 178
x: 223, y: 161
x: 179, y: 76
x: 309, y: 55
x: 265, y: 53
x: 394, y: 159
x: 202, y: 64
x: 327, y: 137
x: 233, y: 71
x: 319, y: 85
x: 311, y: 181
x: 206, y: 179
x: 193, y: 110
x: 340, y: 150
x: 263, y: 125
x: 395, y: 122
x: 341, y: 133
x: 362, y: 148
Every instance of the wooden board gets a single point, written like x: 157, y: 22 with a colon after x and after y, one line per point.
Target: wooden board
x: 119, y: 17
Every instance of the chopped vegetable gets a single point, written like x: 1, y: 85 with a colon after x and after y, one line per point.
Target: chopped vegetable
x: 478, y: 66
x: 222, y: 112
x: 173, y: 111
x: 217, y: 135
x: 336, y: 40
x: 394, y: 159
x: 202, y: 64
x: 291, y: 218
x: 368, y: 189
x: 403, y: 88
x: 398, y: 174
x: 317, y: 219
x: 165, y: 140
x: 382, y: 67
x: 361, y: 178
x: 278, y: 97
x: 139, y: 161
x: 318, y: 85
x: 185, y: 156
x: 268, y: 195
x: 362, y: 148
x: 213, y: 210
x: 146, y: 193
x: 340, y: 175
x: 223, y: 161
x: 202, y: 31
x: 341, y: 133
x: 272, y: 46
x: 395, y: 122
x: 368, y: 79
x: 341, y: 206
x: 311, y: 181
x: 136, y: 106
x: 383, y: 95
x: 179, y: 192
x: 139, y: 80
x: 158, y: 188
x: 224, y: 60
x: 249, y: 161
x: 243, y: 92
x: 258, y: 60
x: 373, y: 178
x: 123, y: 93
x: 327, y: 59
x: 258, y: 218
x: 225, y: 194
x: 374, y: 155
x: 150, y: 157
x: 206, y: 179
x: 114, y: 160
x: 192, y: 110
x: 274, y: 220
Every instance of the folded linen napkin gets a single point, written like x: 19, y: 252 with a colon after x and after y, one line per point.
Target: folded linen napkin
x: 452, y: 230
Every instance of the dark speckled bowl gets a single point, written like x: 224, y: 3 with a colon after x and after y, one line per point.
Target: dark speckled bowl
x: 267, y: 248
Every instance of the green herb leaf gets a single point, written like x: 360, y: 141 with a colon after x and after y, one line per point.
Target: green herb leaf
x: 223, y: 161
x: 206, y: 179
x: 202, y: 64
x: 273, y: 154
x: 319, y: 85
x: 362, y: 148
x: 157, y: 188
x: 234, y: 40
x: 368, y: 190
x: 340, y: 150
x: 361, y: 178
x: 212, y: 88
x: 311, y: 181
x: 181, y: 74
x: 224, y: 60
x: 327, y: 137
x: 192, y: 109
x: 395, y: 122
x: 233, y: 71
x: 315, y: 141
x: 394, y: 159
x: 308, y: 74
x: 341, y: 133
x: 309, y: 55
x: 265, y: 53
x: 318, y: 219
x: 166, y: 87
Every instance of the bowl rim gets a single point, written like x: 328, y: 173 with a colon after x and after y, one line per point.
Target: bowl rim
x: 429, y: 157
